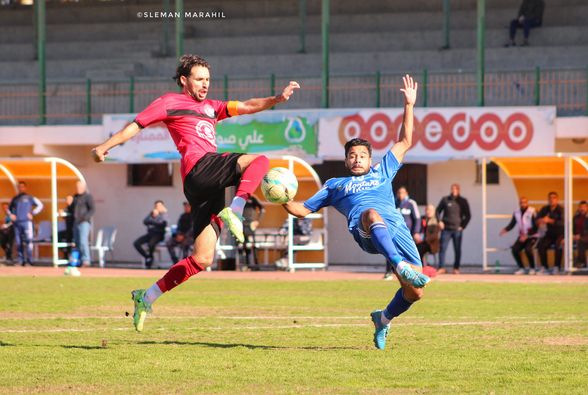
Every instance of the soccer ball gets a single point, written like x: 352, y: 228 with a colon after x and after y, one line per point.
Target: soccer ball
x: 279, y: 185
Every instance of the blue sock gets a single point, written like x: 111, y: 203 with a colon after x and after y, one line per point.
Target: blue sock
x: 383, y: 242
x: 397, y: 306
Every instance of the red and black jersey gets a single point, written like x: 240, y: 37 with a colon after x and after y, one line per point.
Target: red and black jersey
x: 191, y: 123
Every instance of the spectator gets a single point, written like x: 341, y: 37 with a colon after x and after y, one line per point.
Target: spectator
x: 183, y: 236
x: 83, y: 209
x: 551, y: 218
x: 252, y: 214
x: 302, y: 231
x: 430, y: 228
x: 525, y: 218
x: 22, y: 208
x: 530, y: 15
x: 581, y: 233
x: 67, y: 234
x: 156, y: 222
x: 6, y: 233
x: 410, y: 212
x: 454, y: 212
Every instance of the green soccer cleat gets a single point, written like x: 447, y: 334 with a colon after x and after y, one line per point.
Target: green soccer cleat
x: 411, y: 276
x: 142, y: 307
x: 381, y: 332
x: 233, y: 222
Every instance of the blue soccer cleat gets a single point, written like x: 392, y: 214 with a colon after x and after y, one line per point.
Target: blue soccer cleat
x: 411, y: 276
x: 381, y: 332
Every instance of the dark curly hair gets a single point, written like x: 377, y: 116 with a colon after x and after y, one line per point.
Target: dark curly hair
x: 186, y: 64
x: 355, y: 142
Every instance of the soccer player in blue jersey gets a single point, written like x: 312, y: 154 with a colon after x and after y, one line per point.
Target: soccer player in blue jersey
x: 366, y: 199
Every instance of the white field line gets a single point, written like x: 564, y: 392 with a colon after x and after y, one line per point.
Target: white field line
x: 252, y: 318
x: 306, y: 325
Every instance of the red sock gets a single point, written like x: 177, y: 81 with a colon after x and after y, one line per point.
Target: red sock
x: 179, y: 273
x: 252, y: 176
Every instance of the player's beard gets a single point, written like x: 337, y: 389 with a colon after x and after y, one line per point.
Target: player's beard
x: 363, y: 173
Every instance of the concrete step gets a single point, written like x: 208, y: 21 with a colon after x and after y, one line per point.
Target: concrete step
x: 152, y: 29
x: 258, y: 45
x: 95, y: 12
x: 310, y: 64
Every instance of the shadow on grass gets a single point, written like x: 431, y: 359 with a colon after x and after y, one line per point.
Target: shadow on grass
x: 2, y: 344
x: 248, y: 346
x: 83, y: 347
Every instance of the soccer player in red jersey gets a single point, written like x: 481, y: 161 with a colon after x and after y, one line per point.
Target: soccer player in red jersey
x: 191, y: 119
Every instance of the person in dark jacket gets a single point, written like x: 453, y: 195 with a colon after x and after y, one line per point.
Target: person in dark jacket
x: 22, y: 208
x: 412, y: 217
x: 156, y: 222
x: 530, y: 15
x: 183, y: 236
x: 525, y: 218
x: 551, y: 219
x: 581, y: 233
x: 83, y: 210
x: 6, y: 232
x: 454, y: 212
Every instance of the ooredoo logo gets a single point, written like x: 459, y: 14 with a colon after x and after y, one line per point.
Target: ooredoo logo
x: 434, y: 130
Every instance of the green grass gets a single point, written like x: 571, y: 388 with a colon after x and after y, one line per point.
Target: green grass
x: 220, y: 336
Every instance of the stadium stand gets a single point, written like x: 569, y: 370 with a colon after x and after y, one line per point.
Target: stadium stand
x: 104, y: 44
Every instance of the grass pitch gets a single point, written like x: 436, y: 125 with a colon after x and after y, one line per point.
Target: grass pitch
x: 252, y: 336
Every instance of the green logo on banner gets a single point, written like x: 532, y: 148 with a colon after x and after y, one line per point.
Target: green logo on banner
x: 294, y: 135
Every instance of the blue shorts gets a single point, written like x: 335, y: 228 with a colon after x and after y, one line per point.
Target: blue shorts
x: 401, y: 238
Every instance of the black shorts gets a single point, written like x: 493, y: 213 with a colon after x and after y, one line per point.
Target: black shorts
x: 204, y: 186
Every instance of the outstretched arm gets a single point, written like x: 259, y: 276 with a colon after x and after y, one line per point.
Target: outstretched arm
x: 297, y: 209
x: 405, y: 138
x: 252, y: 106
x: 99, y: 153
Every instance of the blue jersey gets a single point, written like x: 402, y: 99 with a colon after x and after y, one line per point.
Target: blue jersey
x: 351, y: 196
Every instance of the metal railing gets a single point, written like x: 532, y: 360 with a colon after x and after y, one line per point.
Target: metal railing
x: 84, y: 101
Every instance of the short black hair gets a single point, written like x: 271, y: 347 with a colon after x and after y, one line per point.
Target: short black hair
x: 186, y: 64
x: 355, y: 142
x: 22, y: 183
x: 583, y: 202
x: 552, y: 193
x: 159, y: 201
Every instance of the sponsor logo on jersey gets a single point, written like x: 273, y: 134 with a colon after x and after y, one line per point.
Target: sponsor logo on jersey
x: 209, y: 111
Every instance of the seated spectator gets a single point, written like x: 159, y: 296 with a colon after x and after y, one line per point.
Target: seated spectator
x: 431, y: 230
x: 252, y: 214
x: 156, y: 222
x: 524, y: 218
x: 581, y: 233
x: 530, y: 15
x: 183, y: 236
x: 302, y: 229
x: 551, y: 219
x: 6, y: 233
x: 67, y: 234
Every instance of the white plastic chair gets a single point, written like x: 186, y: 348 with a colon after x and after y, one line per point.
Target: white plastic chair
x: 104, y: 243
